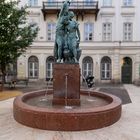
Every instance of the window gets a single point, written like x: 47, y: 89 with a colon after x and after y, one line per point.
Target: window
x: 107, y: 2
x: 127, y: 36
x: 52, y: 3
x: 31, y: 23
x: 12, y: 69
x: 106, y: 68
x: 88, y: 31
x: 33, y: 2
x: 49, y: 67
x: 87, y: 66
x: 11, y: 72
x: 127, y: 2
x: 33, y: 67
x: 88, y: 2
x: 107, y: 31
x: 51, y: 31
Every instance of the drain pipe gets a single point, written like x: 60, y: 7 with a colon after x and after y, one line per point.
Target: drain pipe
x: 66, y: 89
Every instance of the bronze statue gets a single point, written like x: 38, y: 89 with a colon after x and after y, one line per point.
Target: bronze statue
x: 73, y: 36
x: 67, y: 36
x: 60, y: 31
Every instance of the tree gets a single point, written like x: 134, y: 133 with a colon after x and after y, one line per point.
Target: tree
x: 15, y: 34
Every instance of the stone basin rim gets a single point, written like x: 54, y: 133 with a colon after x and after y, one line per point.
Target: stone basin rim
x: 115, y: 103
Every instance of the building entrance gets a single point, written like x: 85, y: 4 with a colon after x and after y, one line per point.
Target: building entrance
x: 127, y: 70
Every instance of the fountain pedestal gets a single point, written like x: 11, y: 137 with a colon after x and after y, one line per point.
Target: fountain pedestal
x: 66, y: 84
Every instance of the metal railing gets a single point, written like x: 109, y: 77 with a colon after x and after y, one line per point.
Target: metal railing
x: 74, y: 5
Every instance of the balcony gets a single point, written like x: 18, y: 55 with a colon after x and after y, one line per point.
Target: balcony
x: 80, y: 8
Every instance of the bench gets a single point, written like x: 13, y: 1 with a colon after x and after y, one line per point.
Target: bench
x: 22, y: 80
x: 14, y: 82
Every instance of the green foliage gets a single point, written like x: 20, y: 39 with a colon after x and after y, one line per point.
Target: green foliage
x: 15, y: 34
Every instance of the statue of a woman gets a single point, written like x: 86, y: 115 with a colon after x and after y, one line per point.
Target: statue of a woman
x: 60, y: 31
x: 73, y: 36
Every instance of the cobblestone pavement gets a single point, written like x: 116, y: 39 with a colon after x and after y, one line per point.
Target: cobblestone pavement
x: 127, y: 128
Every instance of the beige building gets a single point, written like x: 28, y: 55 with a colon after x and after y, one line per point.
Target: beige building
x: 110, y: 39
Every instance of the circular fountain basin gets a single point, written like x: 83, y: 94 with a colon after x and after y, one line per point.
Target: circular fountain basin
x: 96, y: 111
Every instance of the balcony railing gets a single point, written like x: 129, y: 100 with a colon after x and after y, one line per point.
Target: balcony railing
x: 73, y: 5
x: 79, y: 7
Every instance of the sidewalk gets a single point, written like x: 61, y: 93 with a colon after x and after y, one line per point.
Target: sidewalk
x: 127, y: 128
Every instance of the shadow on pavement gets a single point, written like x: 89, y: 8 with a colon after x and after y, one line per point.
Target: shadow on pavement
x: 119, y: 92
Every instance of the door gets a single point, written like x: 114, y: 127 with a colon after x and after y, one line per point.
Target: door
x: 127, y: 70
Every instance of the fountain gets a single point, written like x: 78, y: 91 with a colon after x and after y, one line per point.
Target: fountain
x: 45, y: 97
x: 66, y: 108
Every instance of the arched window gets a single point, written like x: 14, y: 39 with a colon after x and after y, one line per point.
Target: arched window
x: 127, y: 61
x: 87, y: 66
x: 33, y: 67
x: 49, y: 67
x: 106, y: 68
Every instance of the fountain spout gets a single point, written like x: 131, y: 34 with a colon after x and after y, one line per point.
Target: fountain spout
x: 66, y: 92
x: 45, y: 98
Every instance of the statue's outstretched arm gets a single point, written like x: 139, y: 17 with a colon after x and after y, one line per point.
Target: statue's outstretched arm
x: 64, y: 8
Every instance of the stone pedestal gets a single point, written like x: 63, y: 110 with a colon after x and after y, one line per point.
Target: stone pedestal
x: 66, y: 84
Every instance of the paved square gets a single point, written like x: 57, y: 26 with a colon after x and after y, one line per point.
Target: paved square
x: 127, y: 128
x: 119, y: 92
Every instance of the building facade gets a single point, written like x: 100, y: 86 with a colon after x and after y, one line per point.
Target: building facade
x: 110, y: 39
